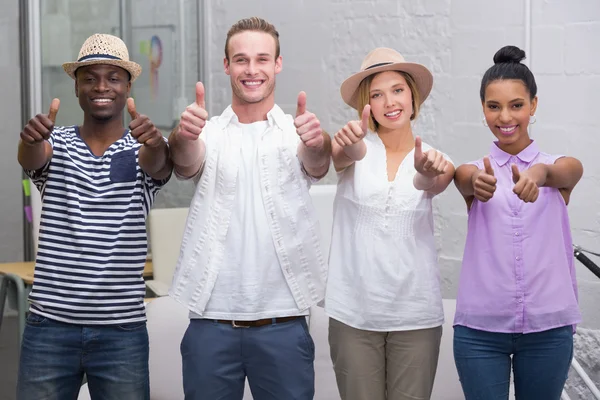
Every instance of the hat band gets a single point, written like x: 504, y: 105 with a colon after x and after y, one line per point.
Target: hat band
x: 94, y: 57
x: 378, y: 65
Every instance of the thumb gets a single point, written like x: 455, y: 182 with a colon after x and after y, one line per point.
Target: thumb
x: 131, y: 108
x: 366, y: 113
x: 515, y: 173
x: 301, y: 109
x: 200, y: 94
x: 418, y: 148
x: 53, y: 110
x: 488, y: 166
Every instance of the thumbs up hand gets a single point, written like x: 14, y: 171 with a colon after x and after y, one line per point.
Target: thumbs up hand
x: 142, y: 128
x: 354, y: 131
x: 308, y: 126
x: 525, y: 186
x: 430, y: 163
x: 194, y: 118
x: 40, y: 127
x: 484, y: 182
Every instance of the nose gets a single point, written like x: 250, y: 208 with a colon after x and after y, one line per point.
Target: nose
x: 251, y: 68
x: 505, y: 116
x: 388, y: 101
x: 101, y: 85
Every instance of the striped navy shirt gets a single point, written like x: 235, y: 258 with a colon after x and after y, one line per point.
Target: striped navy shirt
x: 92, y: 240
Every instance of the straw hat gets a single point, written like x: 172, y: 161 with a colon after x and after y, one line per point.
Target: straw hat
x: 383, y: 59
x: 101, y: 48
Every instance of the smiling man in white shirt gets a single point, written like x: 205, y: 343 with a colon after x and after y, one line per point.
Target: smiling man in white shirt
x: 251, y: 263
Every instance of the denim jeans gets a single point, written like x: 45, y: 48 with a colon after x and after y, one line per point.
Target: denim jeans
x: 56, y: 355
x: 277, y: 359
x: 540, y: 363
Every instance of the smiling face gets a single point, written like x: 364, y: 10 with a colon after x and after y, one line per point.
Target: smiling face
x: 391, y: 100
x: 507, y: 108
x: 252, y: 67
x: 102, y: 90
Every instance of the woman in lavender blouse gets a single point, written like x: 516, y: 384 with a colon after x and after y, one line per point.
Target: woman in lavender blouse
x: 517, y: 293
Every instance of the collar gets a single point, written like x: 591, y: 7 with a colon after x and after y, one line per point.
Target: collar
x: 527, y: 155
x: 274, y: 117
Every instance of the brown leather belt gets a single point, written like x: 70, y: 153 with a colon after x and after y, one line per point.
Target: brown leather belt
x: 257, y: 323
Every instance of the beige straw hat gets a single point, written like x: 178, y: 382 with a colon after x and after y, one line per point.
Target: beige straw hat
x: 101, y: 48
x: 383, y: 59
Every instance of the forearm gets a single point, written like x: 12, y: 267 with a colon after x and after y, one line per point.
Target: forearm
x: 563, y: 174
x: 33, y: 156
x: 435, y: 185
x: 187, y: 156
x: 343, y: 157
x: 316, y: 160
x: 156, y: 161
x: 463, y: 179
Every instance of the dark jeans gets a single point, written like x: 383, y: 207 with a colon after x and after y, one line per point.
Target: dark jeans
x: 55, y: 355
x: 540, y: 363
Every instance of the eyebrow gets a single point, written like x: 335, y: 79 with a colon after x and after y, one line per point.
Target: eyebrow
x: 393, y: 87
x: 512, y: 101
x: 245, y: 55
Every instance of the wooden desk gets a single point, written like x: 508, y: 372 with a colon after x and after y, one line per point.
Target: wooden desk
x: 24, y: 270
x: 20, y: 274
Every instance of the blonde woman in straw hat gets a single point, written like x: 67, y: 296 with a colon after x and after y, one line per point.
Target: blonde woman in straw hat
x: 98, y: 181
x: 383, y: 295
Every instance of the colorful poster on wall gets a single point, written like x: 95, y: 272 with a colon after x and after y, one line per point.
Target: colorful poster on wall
x: 154, y: 49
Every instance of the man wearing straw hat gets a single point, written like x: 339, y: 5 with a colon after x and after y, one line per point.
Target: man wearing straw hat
x: 251, y: 263
x: 98, y: 181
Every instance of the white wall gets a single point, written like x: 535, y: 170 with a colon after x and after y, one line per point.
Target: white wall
x: 322, y: 42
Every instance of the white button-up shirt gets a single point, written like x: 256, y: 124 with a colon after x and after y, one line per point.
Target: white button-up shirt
x: 383, y: 272
x: 292, y: 220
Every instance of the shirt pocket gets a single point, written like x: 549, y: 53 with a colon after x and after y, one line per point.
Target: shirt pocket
x: 123, y: 167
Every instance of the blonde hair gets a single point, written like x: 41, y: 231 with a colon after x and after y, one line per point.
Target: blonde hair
x: 364, y: 97
x: 252, y: 24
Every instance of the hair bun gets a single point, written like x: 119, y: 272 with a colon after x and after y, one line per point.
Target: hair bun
x: 509, y: 54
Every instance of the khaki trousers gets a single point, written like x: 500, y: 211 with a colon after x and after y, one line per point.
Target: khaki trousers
x: 370, y: 365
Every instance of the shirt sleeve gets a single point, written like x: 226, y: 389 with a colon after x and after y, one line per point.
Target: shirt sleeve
x: 477, y: 163
x: 39, y: 176
x: 554, y: 157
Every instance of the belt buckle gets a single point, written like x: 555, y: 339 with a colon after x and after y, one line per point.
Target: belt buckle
x: 233, y: 324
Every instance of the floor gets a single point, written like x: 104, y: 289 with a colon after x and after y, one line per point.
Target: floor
x: 9, y: 358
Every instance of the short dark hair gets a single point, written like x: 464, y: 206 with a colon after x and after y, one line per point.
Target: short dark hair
x: 507, y: 65
x: 252, y: 24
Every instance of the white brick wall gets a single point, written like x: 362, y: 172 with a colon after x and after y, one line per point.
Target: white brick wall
x: 456, y: 40
x: 322, y: 42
